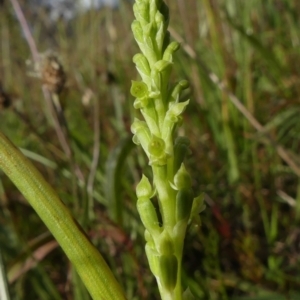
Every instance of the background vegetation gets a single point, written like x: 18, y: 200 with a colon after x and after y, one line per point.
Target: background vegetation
x: 242, y: 59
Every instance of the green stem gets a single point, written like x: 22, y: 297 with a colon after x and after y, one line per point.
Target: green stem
x: 88, y: 262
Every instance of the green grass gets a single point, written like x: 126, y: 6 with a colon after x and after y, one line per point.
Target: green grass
x: 247, y: 246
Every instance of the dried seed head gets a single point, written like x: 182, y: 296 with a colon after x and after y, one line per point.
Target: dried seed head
x: 51, y: 72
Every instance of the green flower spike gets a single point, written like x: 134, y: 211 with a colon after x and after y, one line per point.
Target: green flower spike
x: 160, y: 106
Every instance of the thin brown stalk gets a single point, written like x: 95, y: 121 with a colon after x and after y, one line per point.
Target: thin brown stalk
x: 26, y: 30
x: 58, y: 129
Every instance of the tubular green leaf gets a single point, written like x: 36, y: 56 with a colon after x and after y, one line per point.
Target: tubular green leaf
x: 88, y: 262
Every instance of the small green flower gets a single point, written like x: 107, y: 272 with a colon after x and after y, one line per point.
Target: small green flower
x: 157, y: 152
x: 139, y: 89
x: 156, y: 146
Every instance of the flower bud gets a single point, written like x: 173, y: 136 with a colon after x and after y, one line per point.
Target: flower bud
x: 177, y: 108
x: 160, y: 37
x: 144, y: 188
x: 142, y: 66
x: 172, y: 117
x: 159, y: 18
x: 138, y: 125
x: 148, y: 215
x: 137, y: 32
x: 168, y: 271
x: 179, y: 87
x: 140, y: 103
x: 141, y: 133
x: 184, y: 201
x: 197, y: 207
x: 182, y: 179
x: 161, y: 30
x: 149, y: 49
x: 153, y: 9
x: 151, y: 119
x: 171, y: 48
x: 155, y: 80
x: 162, y: 65
x: 180, y: 149
x: 141, y: 12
